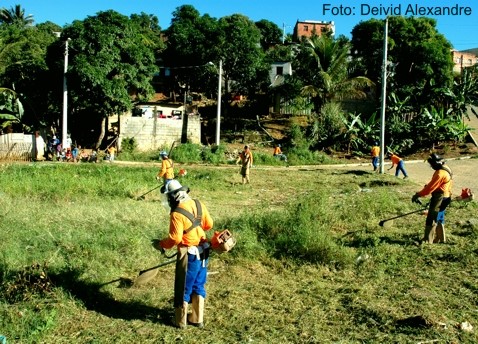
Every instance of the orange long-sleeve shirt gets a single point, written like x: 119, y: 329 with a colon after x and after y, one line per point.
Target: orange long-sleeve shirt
x: 167, y: 171
x: 179, y: 223
x: 277, y: 150
x: 441, y: 181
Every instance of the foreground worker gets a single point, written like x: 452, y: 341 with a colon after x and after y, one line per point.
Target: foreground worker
x: 167, y: 168
x: 246, y: 159
x: 440, y: 188
x: 189, y: 219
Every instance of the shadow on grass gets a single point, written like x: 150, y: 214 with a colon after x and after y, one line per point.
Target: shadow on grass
x: 374, y: 241
x: 356, y: 172
x: 94, y: 299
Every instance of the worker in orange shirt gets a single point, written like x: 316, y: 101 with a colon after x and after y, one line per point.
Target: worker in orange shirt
x: 397, y: 161
x: 440, y: 188
x: 167, y: 171
x: 278, y: 153
x: 188, y: 220
x: 246, y: 159
x: 375, y: 152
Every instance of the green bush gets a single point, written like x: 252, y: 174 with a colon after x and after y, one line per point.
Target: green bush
x: 129, y: 145
x: 187, y: 153
x: 214, y: 154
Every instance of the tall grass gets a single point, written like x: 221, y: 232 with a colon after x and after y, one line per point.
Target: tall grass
x: 311, y: 264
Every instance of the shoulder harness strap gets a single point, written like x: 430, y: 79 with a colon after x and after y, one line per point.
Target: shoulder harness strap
x: 195, y: 221
x: 447, y: 169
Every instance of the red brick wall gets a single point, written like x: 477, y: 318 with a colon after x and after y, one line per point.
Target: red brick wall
x: 306, y: 29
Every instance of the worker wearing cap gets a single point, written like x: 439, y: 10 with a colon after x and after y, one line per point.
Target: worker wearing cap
x: 246, y: 159
x: 375, y: 152
x: 167, y: 170
x: 440, y: 189
x: 189, y: 219
x: 397, y: 161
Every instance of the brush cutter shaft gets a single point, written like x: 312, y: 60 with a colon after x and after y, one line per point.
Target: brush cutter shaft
x: 158, y: 266
x: 396, y: 217
x: 150, y: 191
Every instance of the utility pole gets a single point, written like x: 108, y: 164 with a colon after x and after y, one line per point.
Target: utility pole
x: 64, y: 128
x: 283, y: 33
x: 218, y: 119
x: 384, y: 96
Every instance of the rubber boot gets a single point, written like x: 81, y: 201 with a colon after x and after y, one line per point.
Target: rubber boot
x: 440, y: 233
x: 429, y: 236
x: 180, y: 316
x: 196, y: 318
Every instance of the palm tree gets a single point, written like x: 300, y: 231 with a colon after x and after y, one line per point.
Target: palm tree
x: 331, y: 79
x: 15, y: 16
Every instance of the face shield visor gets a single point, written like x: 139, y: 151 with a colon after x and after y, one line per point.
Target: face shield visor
x: 164, y: 199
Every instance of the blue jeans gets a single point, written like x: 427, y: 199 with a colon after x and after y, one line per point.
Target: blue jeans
x: 400, y: 167
x: 196, y: 277
x: 375, y: 161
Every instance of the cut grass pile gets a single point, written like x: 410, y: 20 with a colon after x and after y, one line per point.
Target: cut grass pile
x: 311, y: 264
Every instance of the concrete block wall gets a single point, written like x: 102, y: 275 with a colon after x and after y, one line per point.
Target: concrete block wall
x: 154, y: 133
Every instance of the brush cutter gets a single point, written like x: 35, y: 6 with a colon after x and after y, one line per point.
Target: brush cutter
x: 142, y: 196
x: 148, y: 274
x: 387, y: 223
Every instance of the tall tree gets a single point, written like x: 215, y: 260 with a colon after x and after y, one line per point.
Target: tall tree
x: 23, y: 67
x: 244, y: 66
x: 419, y: 54
x: 15, y: 16
x: 271, y: 34
x: 110, y: 67
x: 191, y: 44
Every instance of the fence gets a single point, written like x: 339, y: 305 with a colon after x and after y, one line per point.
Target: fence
x: 16, y: 147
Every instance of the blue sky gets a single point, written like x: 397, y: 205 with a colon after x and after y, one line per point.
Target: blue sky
x: 460, y: 29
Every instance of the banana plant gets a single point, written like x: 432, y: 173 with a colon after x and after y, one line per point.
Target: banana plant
x: 11, y: 108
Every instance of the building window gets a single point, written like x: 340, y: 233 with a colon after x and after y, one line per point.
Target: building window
x: 306, y: 28
x: 279, y: 70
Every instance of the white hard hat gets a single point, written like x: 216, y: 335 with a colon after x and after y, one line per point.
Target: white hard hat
x: 174, y: 186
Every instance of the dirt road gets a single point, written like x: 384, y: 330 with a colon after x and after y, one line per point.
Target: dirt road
x: 465, y: 173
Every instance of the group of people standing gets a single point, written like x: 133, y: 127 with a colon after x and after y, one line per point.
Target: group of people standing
x: 439, y: 187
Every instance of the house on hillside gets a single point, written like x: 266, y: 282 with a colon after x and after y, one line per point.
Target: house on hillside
x: 277, y: 75
x: 463, y: 59
x: 307, y: 28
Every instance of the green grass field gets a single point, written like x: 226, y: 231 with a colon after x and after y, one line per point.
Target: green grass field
x: 311, y: 264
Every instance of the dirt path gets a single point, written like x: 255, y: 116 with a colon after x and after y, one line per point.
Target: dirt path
x: 465, y: 173
x: 464, y: 170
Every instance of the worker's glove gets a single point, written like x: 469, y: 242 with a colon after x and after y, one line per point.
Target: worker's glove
x: 157, y: 246
x: 415, y: 199
x: 158, y: 178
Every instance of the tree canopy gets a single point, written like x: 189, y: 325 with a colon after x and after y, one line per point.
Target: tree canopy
x: 419, y: 56
x: 110, y: 66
